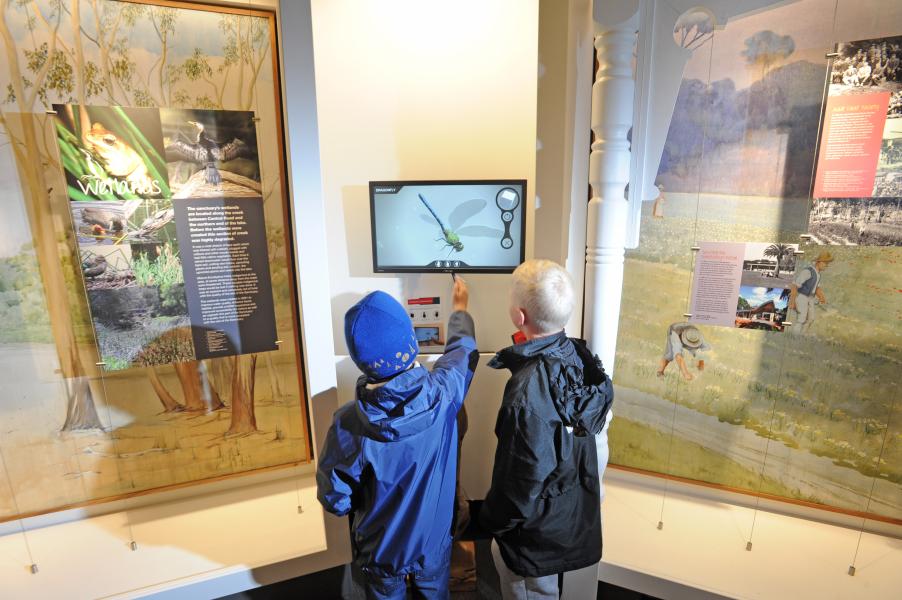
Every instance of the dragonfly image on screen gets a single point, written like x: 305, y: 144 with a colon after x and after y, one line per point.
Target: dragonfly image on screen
x: 458, y: 217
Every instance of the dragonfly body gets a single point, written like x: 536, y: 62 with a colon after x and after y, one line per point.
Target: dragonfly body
x: 451, y: 239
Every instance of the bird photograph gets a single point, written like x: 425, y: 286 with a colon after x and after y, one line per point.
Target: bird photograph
x: 211, y: 153
x: 102, y: 222
x: 107, y: 271
x: 95, y: 267
x: 153, y: 223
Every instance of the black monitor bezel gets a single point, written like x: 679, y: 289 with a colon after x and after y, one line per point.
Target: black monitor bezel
x: 500, y: 182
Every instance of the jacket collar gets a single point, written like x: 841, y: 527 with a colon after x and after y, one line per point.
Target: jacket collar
x: 401, y: 407
x: 514, y: 356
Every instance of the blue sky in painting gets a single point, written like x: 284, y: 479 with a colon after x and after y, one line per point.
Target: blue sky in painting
x: 756, y: 296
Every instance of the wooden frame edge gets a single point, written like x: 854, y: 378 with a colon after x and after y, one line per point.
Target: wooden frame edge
x: 270, y: 15
x: 764, y: 495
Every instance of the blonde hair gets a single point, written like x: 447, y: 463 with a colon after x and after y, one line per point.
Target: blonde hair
x: 543, y: 289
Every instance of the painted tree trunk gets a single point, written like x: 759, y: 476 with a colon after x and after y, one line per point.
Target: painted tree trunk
x: 209, y: 390
x: 199, y: 393
x: 274, y: 385
x: 75, y: 13
x: 169, y: 402
x: 221, y: 373
x: 80, y: 413
x: 243, y: 374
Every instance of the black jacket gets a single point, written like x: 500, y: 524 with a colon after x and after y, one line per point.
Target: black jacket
x: 543, y: 506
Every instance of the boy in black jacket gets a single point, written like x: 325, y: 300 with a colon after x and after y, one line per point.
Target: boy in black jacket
x: 543, y: 507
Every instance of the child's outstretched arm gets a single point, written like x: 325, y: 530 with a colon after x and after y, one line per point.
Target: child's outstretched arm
x: 339, y: 469
x: 455, y: 369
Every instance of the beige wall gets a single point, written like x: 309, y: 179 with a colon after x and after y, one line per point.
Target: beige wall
x: 424, y: 90
x: 420, y: 90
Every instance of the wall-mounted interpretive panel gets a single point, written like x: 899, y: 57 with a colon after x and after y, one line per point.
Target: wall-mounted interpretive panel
x: 171, y: 234
x: 858, y: 185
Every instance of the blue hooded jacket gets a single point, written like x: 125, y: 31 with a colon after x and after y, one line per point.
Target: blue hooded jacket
x: 390, y: 460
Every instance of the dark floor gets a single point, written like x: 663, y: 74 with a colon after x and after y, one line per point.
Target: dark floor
x: 327, y: 585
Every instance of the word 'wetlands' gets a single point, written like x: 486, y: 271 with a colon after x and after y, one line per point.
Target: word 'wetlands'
x: 96, y: 186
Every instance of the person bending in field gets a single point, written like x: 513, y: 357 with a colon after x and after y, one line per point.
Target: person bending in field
x: 681, y: 338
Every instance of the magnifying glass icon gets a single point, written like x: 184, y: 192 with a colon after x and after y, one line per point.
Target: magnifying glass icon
x: 507, y: 200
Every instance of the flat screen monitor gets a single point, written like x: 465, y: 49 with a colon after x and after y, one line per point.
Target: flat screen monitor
x: 443, y: 226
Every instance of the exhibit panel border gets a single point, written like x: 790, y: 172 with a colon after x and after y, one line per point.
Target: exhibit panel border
x: 809, y: 417
x: 101, y: 385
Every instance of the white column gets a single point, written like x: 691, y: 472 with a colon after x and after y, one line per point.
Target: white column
x: 609, y: 170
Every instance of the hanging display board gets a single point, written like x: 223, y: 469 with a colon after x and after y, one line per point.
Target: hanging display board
x: 744, y: 285
x: 860, y: 151
x: 858, y: 181
x: 168, y: 214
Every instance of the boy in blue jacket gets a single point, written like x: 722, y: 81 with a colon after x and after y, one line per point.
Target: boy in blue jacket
x: 390, y: 457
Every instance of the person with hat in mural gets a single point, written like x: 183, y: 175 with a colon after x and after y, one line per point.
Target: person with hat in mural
x: 390, y: 456
x: 805, y: 292
x: 683, y: 337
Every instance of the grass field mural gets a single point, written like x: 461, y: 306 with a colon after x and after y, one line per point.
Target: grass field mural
x: 826, y: 400
x: 813, y: 415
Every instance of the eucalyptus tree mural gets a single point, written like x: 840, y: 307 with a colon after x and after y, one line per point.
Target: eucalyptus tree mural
x: 693, y: 29
x: 108, y: 53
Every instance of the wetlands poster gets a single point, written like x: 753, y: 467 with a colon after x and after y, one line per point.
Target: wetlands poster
x: 168, y: 214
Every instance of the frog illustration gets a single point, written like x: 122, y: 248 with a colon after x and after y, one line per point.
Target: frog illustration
x: 119, y: 159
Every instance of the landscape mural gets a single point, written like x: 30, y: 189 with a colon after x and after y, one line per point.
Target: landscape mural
x: 809, y: 415
x: 70, y: 433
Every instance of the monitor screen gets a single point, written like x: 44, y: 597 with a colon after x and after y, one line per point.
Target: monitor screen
x: 463, y: 226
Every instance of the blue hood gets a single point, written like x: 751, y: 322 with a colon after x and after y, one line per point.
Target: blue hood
x: 402, y: 407
x: 578, y: 387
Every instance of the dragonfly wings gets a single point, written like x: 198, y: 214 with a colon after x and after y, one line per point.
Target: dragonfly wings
x: 460, y: 215
x: 464, y: 211
x: 481, y: 231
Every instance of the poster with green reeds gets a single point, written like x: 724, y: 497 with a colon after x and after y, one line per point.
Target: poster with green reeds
x: 121, y: 204
x: 111, y: 153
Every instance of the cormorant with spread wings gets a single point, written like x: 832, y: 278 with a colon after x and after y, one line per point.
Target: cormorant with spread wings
x: 206, y: 151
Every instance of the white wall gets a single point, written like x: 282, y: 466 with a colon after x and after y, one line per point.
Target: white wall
x: 563, y: 132
x: 420, y: 90
x: 702, y: 546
